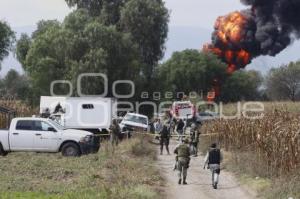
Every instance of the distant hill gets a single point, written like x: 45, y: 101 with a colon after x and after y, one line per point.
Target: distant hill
x: 180, y: 38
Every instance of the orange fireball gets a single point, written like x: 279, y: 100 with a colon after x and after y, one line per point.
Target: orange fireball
x: 229, y: 32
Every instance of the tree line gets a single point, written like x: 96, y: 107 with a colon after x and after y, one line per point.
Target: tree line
x: 125, y: 39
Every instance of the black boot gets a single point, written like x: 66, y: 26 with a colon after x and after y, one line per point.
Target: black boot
x: 179, y: 181
x: 215, y: 186
x: 184, y: 181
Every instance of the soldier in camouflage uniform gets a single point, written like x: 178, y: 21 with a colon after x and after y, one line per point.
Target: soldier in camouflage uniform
x: 114, y: 132
x: 195, y: 135
x: 165, y: 137
x: 183, y: 160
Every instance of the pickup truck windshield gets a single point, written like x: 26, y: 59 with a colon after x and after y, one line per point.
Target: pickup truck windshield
x: 56, y: 125
x: 136, y: 119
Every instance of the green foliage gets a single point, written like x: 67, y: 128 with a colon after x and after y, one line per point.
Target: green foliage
x: 93, y: 6
x: 283, y: 83
x: 242, y: 85
x: 147, y: 21
x: 191, y: 70
x: 6, y: 39
x: 98, y: 37
x: 23, y: 47
x: 14, y: 86
x: 79, y: 45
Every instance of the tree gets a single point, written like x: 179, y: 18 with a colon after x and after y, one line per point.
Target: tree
x: 81, y: 44
x: 242, y: 85
x: 93, y: 6
x: 191, y: 70
x: 97, y: 37
x: 14, y: 86
x: 23, y: 47
x: 6, y: 39
x: 283, y: 83
x: 147, y: 21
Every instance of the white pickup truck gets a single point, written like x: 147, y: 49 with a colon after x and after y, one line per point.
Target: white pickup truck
x: 44, y: 135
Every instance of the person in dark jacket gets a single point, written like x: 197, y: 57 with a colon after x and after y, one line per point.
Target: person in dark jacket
x: 213, y: 159
x: 165, y: 138
x: 58, y: 109
x: 179, y: 129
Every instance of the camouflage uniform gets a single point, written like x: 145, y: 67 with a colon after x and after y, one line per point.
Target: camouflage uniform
x: 114, y: 133
x: 183, y: 161
x: 195, y: 135
x: 164, y: 138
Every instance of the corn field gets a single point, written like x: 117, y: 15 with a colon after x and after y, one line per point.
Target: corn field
x: 275, y: 139
x: 22, y: 110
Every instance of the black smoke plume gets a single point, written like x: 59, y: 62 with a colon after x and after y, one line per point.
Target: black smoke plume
x: 271, y: 26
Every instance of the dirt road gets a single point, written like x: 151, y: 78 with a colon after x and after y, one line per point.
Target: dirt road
x: 199, y: 181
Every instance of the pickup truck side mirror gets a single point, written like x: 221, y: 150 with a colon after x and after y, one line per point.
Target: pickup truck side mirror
x: 51, y: 129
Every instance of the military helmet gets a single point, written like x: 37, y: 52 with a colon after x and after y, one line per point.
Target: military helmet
x: 213, y: 145
x: 186, y: 140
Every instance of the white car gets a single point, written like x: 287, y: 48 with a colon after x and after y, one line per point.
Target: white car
x: 207, y: 116
x: 135, y: 122
x: 44, y: 135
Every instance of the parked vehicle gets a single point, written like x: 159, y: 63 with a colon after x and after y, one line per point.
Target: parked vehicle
x: 207, y: 116
x: 135, y: 122
x: 93, y: 114
x: 184, y: 110
x: 45, y: 135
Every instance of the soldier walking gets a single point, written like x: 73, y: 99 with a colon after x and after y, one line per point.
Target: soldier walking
x: 195, y: 135
x: 183, y: 160
x: 165, y: 138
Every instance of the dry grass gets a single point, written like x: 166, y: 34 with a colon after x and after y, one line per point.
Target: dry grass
x: 119, y: 173
x: 291, y: 107
x: 22, y: 110
x: 268, y: 147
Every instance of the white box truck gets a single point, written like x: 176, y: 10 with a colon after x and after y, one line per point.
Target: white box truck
x: 87, y: 113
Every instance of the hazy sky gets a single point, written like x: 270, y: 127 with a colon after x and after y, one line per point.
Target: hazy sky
x: 28, y: 12
x: 183, y: 13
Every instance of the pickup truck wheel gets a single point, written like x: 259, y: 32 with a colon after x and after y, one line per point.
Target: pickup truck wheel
x: 70, y: 150
x: 2, y: 152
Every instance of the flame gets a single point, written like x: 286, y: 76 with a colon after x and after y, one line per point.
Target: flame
x: 229, y: 28
x: 228, y: 36
x: 229, y: 33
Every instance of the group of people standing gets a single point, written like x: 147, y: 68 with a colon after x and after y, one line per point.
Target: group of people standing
x: 188, y: 147
x: 165, y: 130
